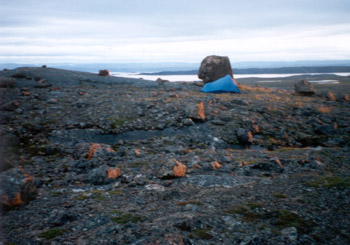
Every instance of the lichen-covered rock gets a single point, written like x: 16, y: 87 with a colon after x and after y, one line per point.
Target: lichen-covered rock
x: 214, y: 67
x: 172, y: 169
x: 17, y: 187
x: 304, y: 88
x: 90, y: 150
x: 113, y: 173
x: 244, y: 136
x: 195, y: 111
x: 331, y: 96
x: 102, y: 175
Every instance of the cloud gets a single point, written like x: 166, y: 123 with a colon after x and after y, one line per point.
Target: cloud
x: 174, y: 30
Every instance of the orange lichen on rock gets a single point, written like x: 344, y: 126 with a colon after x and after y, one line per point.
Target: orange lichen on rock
x: 92, y: 149
x: 109, y: 149
x: 12, y: 203
x: 179, y: 169
x: 325, y: 109
x: 137, y: 152
x: 331, y: 96
x: 256, y: 129
x: 113, y: 173
x: 346, y: 97
x: 215, y: 165
x: 200, y: 111
x: 279, y: 162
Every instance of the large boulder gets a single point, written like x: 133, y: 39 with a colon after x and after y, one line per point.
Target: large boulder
x: 304, y: 88
x: 214, y: 67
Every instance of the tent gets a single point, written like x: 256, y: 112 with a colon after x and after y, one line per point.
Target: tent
x: 222, y: 85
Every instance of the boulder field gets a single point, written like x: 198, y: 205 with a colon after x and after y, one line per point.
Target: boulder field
x: 90, y: 159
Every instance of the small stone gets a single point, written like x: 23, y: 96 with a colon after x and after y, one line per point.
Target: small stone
x: 346, y: 97
x: 179, y: 169
x: 187, y: 122
x: 331, y: 96
x: 196, y: 111
x: 154, y: 187
x: 37, y: 78
x: 244, y: 136
x: 172, y: 169
x: 43, y: 83
x: 113, y: 173
x: 291, y: 233
x: 103, y: 72
x: 161, y: 81
x: 216, y: 165
x: 99, y: 176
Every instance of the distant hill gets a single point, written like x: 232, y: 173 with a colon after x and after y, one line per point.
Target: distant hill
x: 281, y: 70
x: 246, y: 67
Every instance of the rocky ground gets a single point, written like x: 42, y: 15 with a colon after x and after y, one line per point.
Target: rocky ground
x: 106, y: 160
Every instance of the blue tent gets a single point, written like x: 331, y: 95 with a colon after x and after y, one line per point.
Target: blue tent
x: 222, y: 85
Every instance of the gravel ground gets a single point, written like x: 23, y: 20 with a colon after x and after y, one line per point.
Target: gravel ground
x: 128, y: 161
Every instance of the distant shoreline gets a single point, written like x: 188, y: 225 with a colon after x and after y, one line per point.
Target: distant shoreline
x: 281, y: 70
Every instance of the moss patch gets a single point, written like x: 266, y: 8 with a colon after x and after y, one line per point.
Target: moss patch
x: 248, y: 212
x: 52, y: 233
x: 194, y: 202
x: 279, y: 195
x: 126, y: 218
x: 285, y: 219
x: 118, y: 122
x: 139, y: 164
x: 201, y: 234
x: 331, y: 182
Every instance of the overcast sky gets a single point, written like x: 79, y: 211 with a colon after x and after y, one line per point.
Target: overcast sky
x: 36, y: 31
